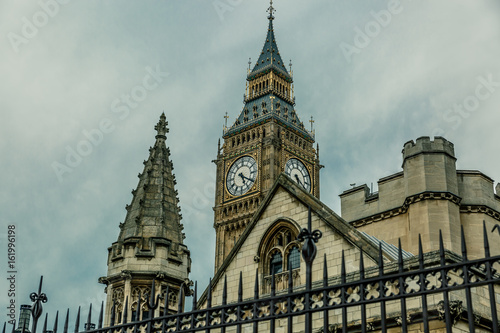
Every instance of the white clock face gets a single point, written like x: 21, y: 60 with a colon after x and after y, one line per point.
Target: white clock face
x: 296, y: 170
x: 241, y: 175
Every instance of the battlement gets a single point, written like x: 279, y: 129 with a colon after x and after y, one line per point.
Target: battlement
x: 424, y: 145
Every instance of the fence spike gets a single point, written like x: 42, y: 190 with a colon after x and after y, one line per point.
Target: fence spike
x: 400, y: 256
x: 463, y: 244
x: 380, y: 260
x: 224, y: 291
x: 240, y: 288
x: 361, y: 264
x: 441, y: 247
x: 66, y: 322
x: 125, y: 311
x: 113, y: 314
x: 153, y: 303
x: 54, y: 329
x: 77, y: 322
x: 89, y: 318
x: 420, y: 253
x: 101, y: 313
x: 179, y: 299
x: 44, y: 328
x: 325, y: 271
x: 343, y: 270
x: 138, y: 308
x: 273, y: 288
x: 486, y: 242
x: 195, y: 296
x: 4, y: 325
x: 209, y: 294
x: 290, y: 281
x: 256, y: 287
x: 165, y: 308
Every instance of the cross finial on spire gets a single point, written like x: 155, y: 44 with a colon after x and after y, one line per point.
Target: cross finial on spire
x: 312, y: 122
x: 161, y: 127
x: 271, y: 10
x: 226, y: 117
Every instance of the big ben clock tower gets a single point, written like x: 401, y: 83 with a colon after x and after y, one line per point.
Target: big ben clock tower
x: 266, y: 139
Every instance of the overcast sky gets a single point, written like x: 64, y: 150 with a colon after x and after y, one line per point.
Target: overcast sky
x: 373, y: 74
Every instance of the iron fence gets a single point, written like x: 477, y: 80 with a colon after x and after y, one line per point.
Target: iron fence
x: 439, y: 290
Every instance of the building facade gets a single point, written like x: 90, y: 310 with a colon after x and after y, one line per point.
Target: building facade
x: 268, y: 190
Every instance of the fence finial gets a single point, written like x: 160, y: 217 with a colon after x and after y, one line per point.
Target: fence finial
x: 37, y: 308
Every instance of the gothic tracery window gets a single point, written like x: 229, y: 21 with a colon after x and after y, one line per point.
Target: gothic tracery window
x: 281, y: 250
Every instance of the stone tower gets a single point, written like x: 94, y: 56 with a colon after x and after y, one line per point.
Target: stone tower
x: 266, y: 139
x: 150, y: 244
x: 429, y: 168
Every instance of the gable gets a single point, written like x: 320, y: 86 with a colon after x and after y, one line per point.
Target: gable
x: 286, y: 206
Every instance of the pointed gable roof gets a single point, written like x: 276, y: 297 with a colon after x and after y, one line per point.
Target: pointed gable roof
x: 154, y: 210
x: 328, y: 216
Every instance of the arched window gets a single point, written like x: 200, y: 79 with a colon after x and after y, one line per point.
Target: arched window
x: 276, y: 263
x: 293, y: 258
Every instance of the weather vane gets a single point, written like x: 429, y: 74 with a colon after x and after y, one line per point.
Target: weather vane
x: 271, y: 10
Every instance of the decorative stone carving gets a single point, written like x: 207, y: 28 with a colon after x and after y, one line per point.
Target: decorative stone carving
x: 126, y: 274
x: 455, y: 307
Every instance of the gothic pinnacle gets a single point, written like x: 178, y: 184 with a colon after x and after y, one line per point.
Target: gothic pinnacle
x: 161, y: 127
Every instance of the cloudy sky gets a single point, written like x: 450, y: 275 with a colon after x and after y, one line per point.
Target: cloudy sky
x: 78, y: 110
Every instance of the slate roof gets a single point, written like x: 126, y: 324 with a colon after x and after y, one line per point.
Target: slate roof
x: 390, y: 249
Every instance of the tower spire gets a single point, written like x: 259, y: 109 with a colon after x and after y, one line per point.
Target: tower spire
x: 150, y: 243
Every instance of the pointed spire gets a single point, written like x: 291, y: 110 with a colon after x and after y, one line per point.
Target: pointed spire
x: 155, y: 201
x: 269, y: 90
x: 270, y: 58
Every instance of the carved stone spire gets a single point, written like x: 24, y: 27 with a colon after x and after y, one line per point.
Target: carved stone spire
x: 154, y: 210
x: 150, y: 243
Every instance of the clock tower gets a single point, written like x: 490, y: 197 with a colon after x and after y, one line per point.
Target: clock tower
x: 266, y: 139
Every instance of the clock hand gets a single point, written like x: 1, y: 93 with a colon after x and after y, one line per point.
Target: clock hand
x: 298, y: 180
x: 243, y: 177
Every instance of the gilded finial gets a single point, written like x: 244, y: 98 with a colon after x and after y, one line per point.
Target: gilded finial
x: 161, y: 127
x: 312, y: 122
x: 271, y: 10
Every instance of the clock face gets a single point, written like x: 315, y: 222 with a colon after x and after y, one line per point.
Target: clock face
x: 298, y: 172
x: 241, y: 175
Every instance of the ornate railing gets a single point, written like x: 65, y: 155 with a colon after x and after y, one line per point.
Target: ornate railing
x: 439, y: 287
